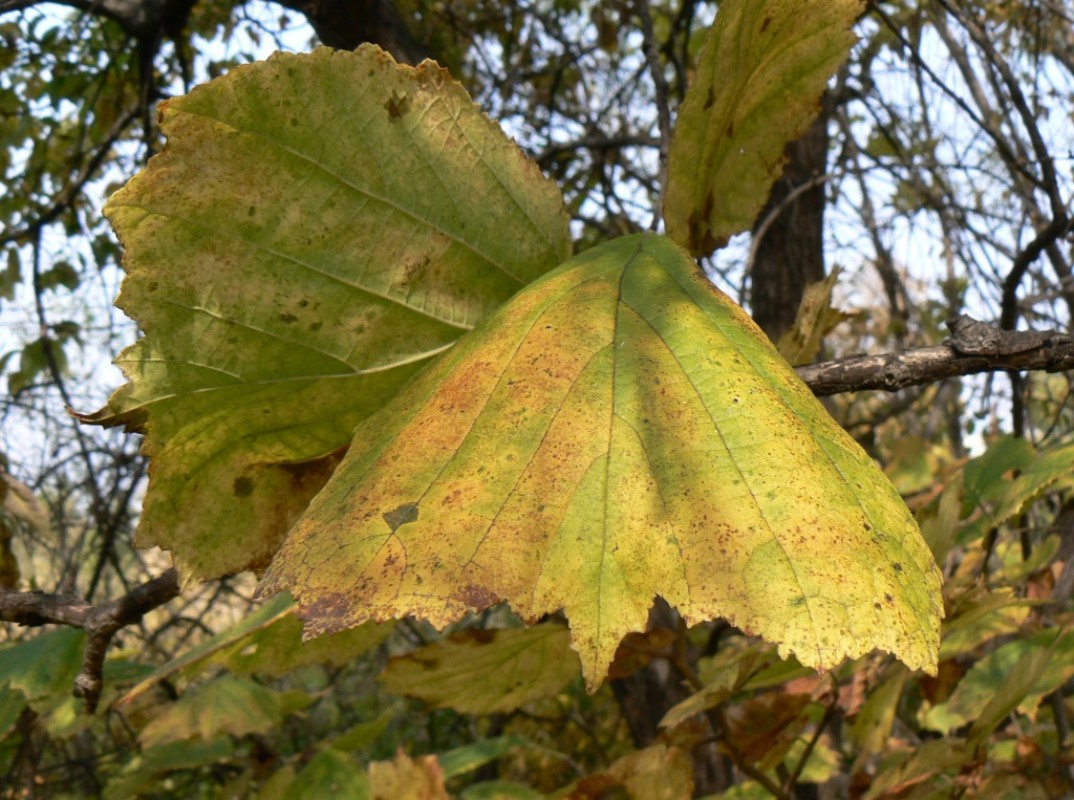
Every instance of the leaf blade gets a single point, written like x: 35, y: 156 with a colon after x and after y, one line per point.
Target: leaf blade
x: 621, y: 430
x: 762, y: 69
x: 318, y: 229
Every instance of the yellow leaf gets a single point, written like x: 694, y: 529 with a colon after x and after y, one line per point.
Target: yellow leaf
x: 318, y: 228
x: 764, y: 65
x: 620, y: 430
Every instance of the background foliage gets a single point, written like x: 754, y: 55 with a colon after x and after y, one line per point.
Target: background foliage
x: 938, y: 177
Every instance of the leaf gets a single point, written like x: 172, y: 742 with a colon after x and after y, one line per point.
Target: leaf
x: 484, y: 671
x: 142, y: 774
x: 1018, y: 674
x: 467, y: 758
x: 318, y: 228
x: 816, y: 318
x: 759, y: 77
x: 656, y: 773
x: 980, y: 616
x: 922, y: 764
x: 405, y: 778
x: 724, y: 675
x: 278, y: 649
x: 871, y: 731
x: 1007, y: 477
x: 620, y: 430
x: 224, y: 705
x: 44, y: 666
x: 272, y: 611
x: 331, y: 774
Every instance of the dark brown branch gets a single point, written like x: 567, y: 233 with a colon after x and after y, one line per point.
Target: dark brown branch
x: 1000, y: 350
x: 99, y: 622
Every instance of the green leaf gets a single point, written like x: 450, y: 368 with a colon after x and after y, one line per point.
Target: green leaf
x: 980, y: 616
x: 272, y: 611
x: 925, y: 761
x: 871, y: 731
x: 469, y: 757
x: 1008, y: 476
x: 278, y: 649
x: 224, y: 705
x: 499, y: 790
x: 34, y: 361
x: 331, y: 774
x: 318, y: 228
x: 142, y: 775
x: 12, y: 702
x: 620, y: 430
x: 1016, y: 675
x: 45, y: 665
x: 61, y: 274
x: 484, y: 671
x: 759, y: 77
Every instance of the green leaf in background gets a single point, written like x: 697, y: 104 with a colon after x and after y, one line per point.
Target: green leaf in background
x: 318, y: 228
x: 225, y: 705
x: 278, y: 649
x: 272, y: 611
x: 759, y: 77
x: 1017, y: 675
x: 469, y: 757
x: 330, y: 774
x: 620, y: 430
x: 1029, y: 473
x: 143, y: 774
x: 44, y: 666
x: 484, y: 671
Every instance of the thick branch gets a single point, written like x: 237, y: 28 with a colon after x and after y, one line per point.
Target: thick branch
x: 1048, y: 351
x: 99, y: 622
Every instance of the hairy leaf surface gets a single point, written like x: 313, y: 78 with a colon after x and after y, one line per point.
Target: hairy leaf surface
x: 620, y: 430
x: 759, y: 76
x: 318, y: 228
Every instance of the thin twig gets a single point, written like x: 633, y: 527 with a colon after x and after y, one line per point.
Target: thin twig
x: 663, y: 112
x: 100, y: 622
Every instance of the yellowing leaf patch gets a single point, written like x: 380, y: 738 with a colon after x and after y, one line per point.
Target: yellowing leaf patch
x: 759, y: 77
x: 318, y: 228
x: 621, y: 430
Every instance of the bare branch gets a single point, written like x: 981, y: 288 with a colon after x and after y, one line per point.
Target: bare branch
x: 1048, y: 351
x: 99, y: 622
x: 663, y: 112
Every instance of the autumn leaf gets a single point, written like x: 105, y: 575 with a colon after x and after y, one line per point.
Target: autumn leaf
x: 759, y: 77
x: 619, y: 431
x: 318, y: 228
x: 485, y: 671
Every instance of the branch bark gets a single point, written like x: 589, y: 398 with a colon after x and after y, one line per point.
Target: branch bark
x: 100, y: 622
x: 1048, y: 351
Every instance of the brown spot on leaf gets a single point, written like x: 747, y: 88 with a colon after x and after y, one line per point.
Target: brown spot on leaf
x: 477, y: 597
x: 765, y: 23
x: 243, y: 487
x: 397, y: 105
x: 710, y: 98
x: 287, y: 318
x: 398, y: 517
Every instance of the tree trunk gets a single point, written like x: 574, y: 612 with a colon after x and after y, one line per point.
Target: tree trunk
x: 790, y: 253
